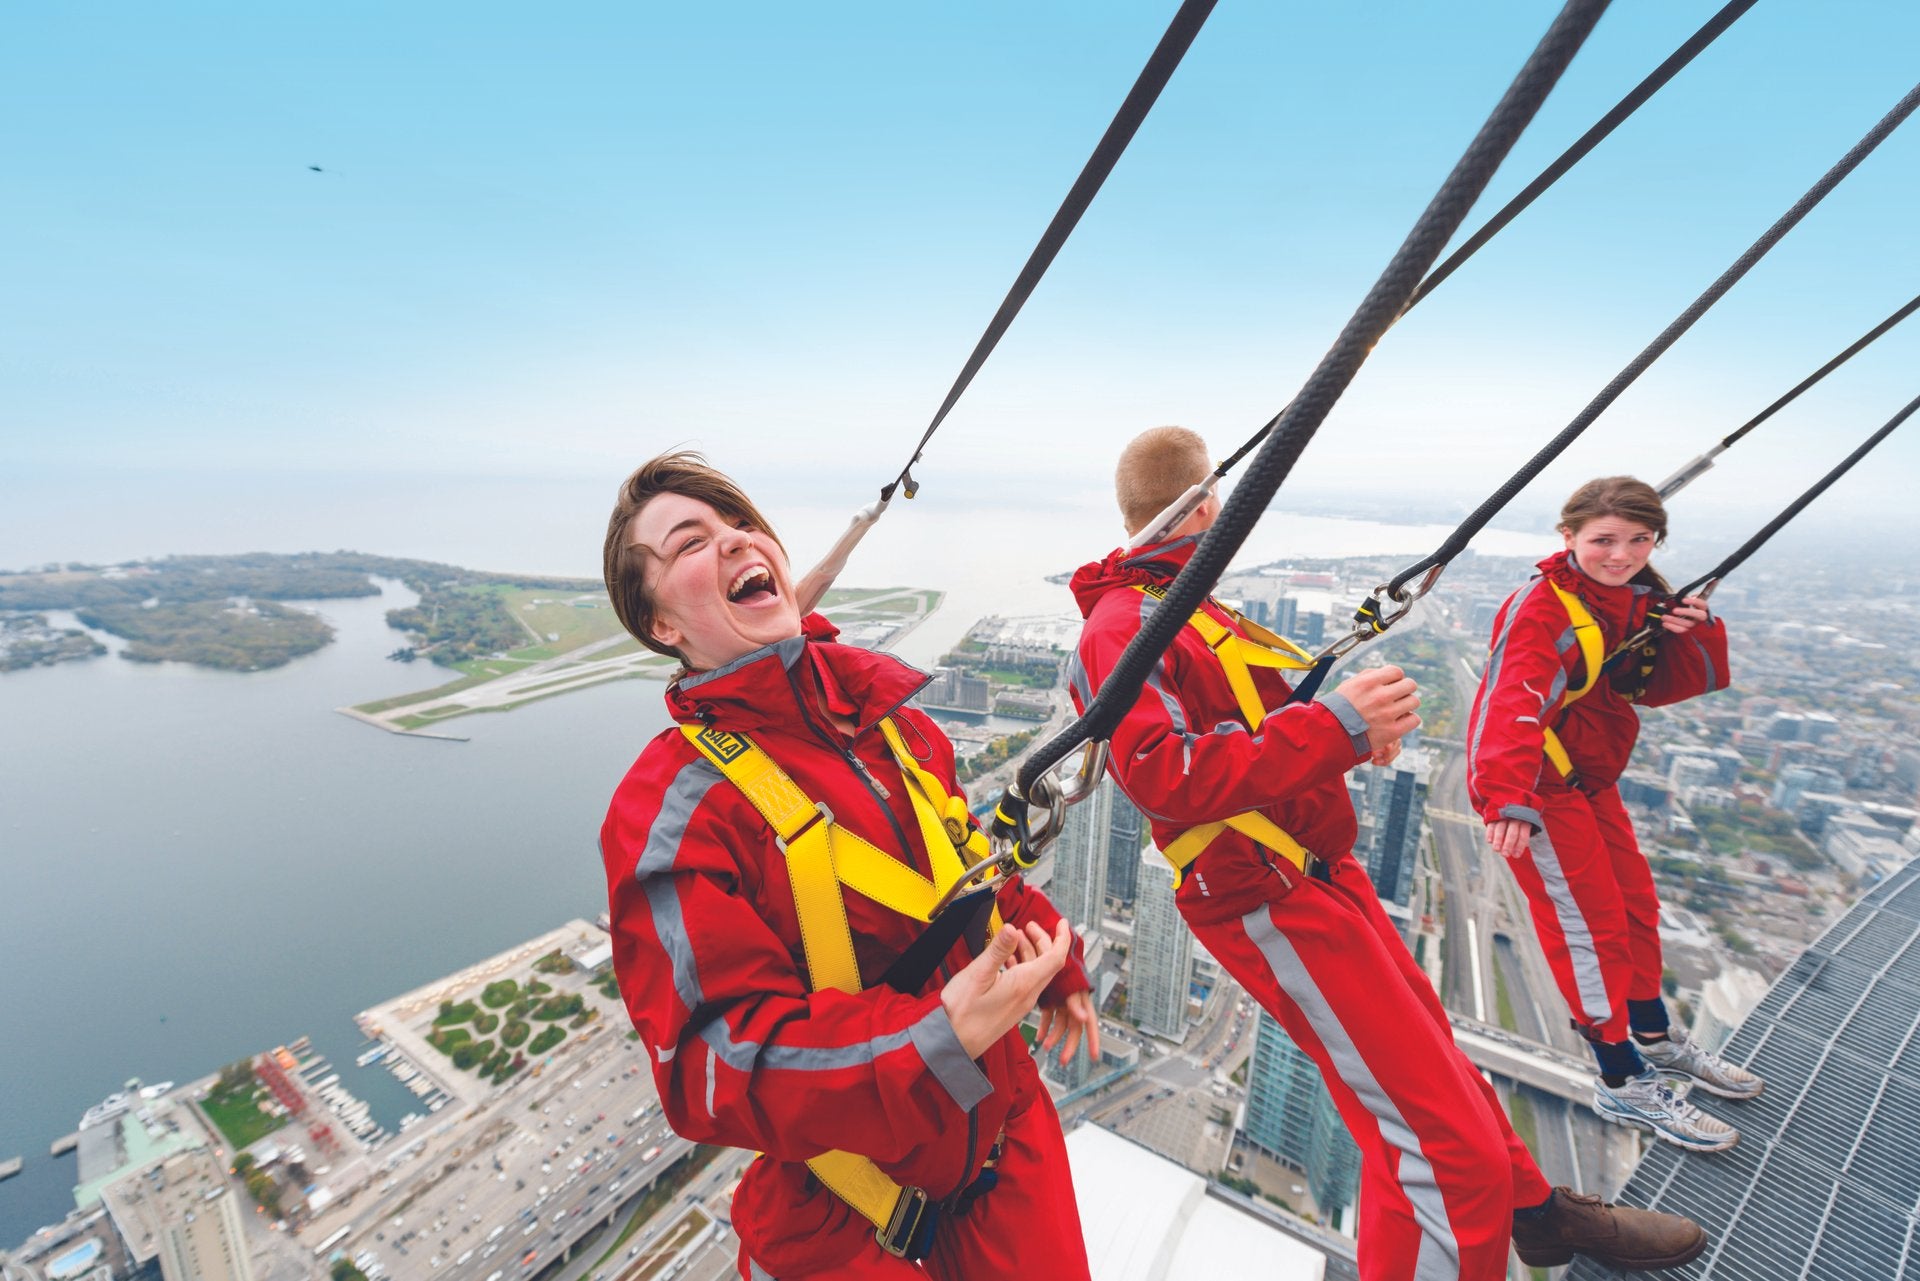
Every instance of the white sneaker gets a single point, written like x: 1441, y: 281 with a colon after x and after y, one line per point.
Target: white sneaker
x: 1681, y: 1053
x: 1646, y: 1102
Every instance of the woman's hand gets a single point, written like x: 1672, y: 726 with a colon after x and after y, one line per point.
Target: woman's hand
x: 1689, y: 613
x: 1509, y: 836
x: 988, y: 998
x: 1075, y: 1016
x: 1386, y: 755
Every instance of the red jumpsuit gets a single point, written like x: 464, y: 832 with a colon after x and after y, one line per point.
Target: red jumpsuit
x: 1589, y: 887
x: 1442, y: 1170
x: 709, y: 958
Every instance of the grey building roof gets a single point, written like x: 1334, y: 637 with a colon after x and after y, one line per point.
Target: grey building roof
x: 1825, y: 1182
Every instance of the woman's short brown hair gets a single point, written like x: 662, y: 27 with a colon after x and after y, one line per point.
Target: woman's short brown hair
x: 1623, y: 498
x: 681, y: 472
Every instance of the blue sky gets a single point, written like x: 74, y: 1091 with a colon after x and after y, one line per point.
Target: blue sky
x: 551, y: 240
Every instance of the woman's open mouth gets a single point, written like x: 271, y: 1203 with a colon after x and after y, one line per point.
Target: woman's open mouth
x: 753, y: 586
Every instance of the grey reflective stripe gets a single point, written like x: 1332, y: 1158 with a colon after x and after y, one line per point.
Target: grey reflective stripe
x: 1177, y: 716
x: 785, y: 650
x: 1175, y: 712
x: 1348, y: 715
x: 1439, y: 1256
x: 757, y: 1273
x: 713, y: 1080
x: 1706, y: 660
x: 1554, y: 691
x: 946, y: 1058
x: 1582, y: 955
x: 745, y: 1056
x: 1568, y: 639
x: 663, y: 901
x: 1077, y: 677
x: 684, y: 795
x: 1490, y: 677
x: 1523, y: 813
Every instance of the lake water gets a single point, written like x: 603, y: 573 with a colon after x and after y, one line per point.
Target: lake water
x: 196, y: 865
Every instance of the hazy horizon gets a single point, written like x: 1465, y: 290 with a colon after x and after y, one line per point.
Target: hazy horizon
x: 275, y: 284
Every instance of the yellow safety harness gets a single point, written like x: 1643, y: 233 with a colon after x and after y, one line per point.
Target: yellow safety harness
x: 1594, y: 658
x: 1238, y: 655
x: 822, y: 857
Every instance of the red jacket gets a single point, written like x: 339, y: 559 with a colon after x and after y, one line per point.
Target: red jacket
x: 1184, y: 755
x: 709, y: 959
x: 1535, y: 656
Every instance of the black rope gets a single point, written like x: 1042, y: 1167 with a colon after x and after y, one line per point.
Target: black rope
x: 1474, y: 523
x: 1866, y: 340
x: 1383, y: 303
x: 1798, y: 505
x: 1573, y: 155
x: 1166, y: 57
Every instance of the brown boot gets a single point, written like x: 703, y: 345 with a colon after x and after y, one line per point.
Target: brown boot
x: 1616, y: 1235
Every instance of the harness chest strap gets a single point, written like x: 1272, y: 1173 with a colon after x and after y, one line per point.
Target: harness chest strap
x: 1238, y: 655
x: 821, y: 857
x: 1593, y: 657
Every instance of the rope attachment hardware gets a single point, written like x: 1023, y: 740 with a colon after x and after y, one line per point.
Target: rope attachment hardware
x: 1015, y: 842
x: 1373, y: 617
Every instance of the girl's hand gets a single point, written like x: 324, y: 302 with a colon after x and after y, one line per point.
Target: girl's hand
x: 1689, y: 613
x: 1509, y: 836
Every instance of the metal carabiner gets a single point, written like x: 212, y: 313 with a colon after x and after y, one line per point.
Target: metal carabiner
x: 1372, y: 620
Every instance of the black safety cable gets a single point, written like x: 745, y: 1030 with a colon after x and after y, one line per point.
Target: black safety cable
x: 1772, y: 527
x: 1460, y: 537
x: 1383, y: 303
x: 1692, y: 470
x: 1166, y: 57
x: 1573, y: 155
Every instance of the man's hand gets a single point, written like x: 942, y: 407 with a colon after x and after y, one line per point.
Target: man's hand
x: 988, y: 998
x: 1385, y: 697
x: 1683, y: 617
x: 1509, y: 836
x: 1074, y: 1016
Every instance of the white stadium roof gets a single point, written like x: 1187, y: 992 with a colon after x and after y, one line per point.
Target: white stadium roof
x: 1148, y: 1219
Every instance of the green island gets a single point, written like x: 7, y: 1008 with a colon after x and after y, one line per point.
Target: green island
x: 238, y: 635
x: 29, y: 640
x: 225, y: 611
x: 500, y: 640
